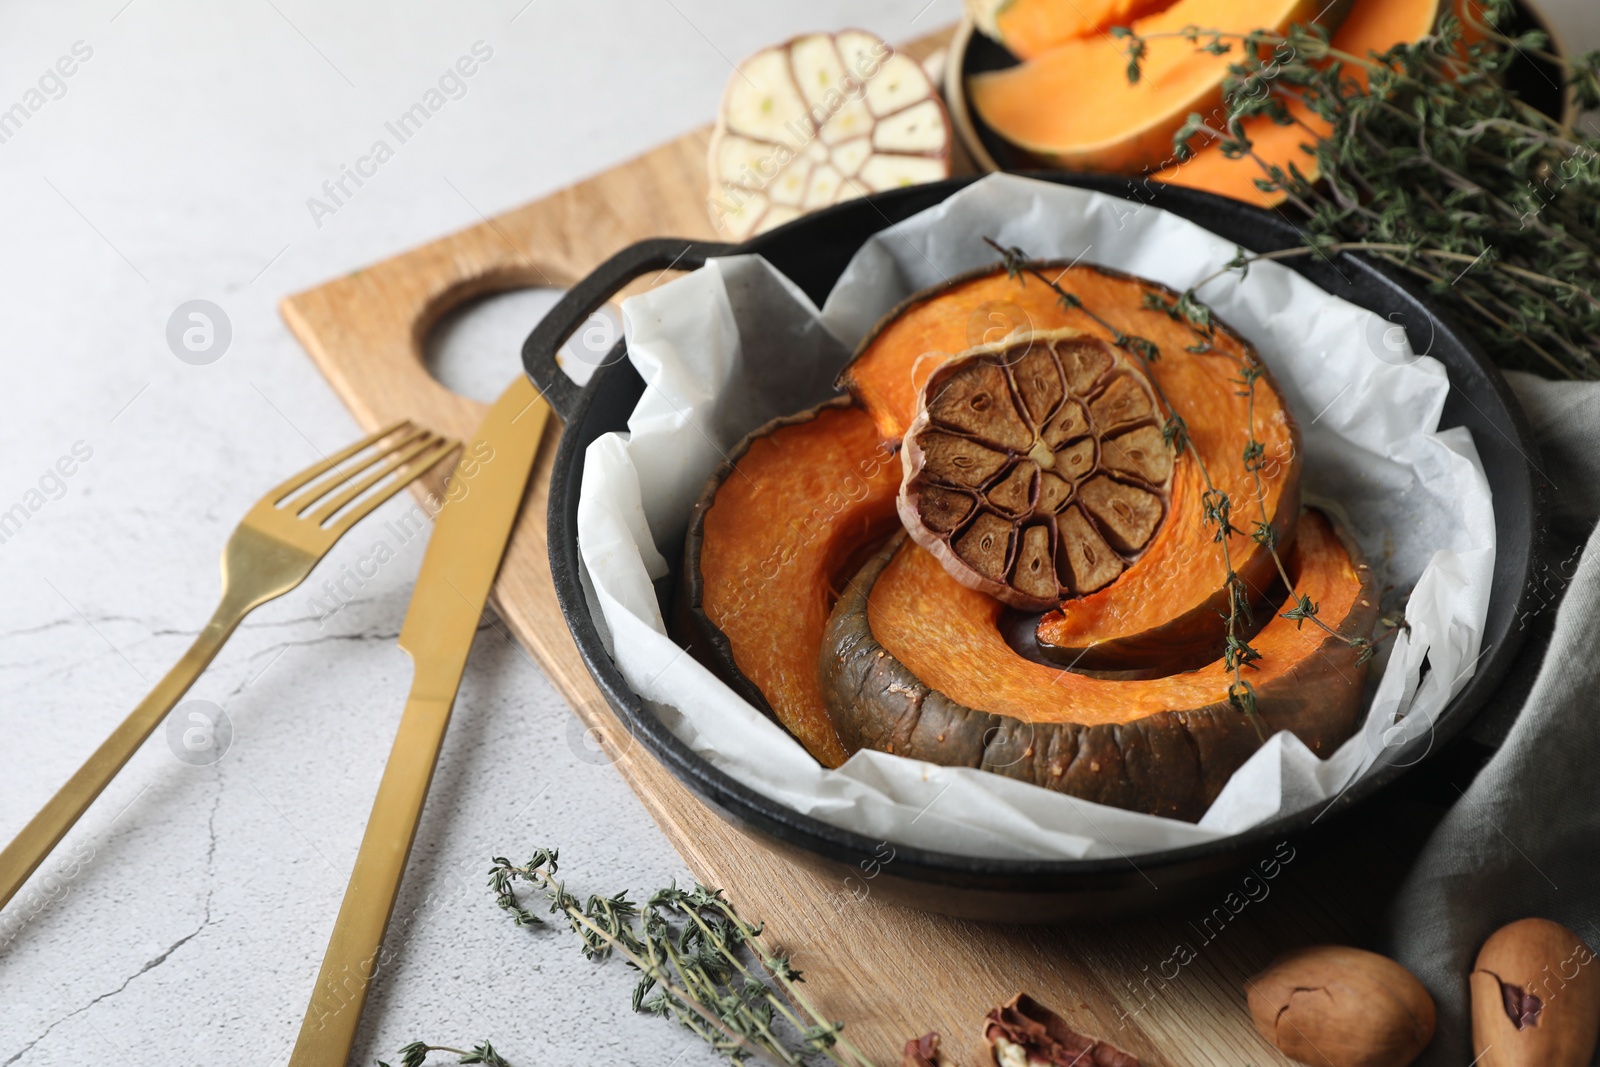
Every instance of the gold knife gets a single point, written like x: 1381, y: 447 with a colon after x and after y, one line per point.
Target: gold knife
x: 463, y: 556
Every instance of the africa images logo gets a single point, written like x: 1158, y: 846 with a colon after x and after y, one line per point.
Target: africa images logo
x: 51, y: 85
x: 452, y: 85
x: 52, y: 485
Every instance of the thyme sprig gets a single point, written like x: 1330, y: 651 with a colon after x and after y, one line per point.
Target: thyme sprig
x: 700, y: 963
x: 1187, y: 308
x: 1429, y: 163
x: 1018, y: 265
x: 416, y: 1053
x: 1216, y: 504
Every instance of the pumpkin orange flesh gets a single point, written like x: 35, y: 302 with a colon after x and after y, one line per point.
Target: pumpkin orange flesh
x: 1074, y: 107
x: 949, y: 637
x: 1372, y: 26
x: 1183, y: 567
x: 786, y: 526
x: 1029, y: 27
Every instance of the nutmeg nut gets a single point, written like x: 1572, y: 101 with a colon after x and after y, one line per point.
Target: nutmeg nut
x: 1336, y: 1006
x: 1535, y: 997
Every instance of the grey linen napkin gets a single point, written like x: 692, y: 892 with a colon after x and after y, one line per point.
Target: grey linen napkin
x: 1524, y: 839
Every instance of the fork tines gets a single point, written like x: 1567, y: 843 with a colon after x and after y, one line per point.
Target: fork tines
x: 383, y: 463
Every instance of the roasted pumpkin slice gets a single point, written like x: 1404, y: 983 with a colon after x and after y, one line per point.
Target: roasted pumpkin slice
x: 1029, y: 27
x: 1167, y: 606
x: 1373, y: 26
x: 778, y: 530
x: 1074, y: 107
x: 914, y: 663
x: 1036, y: 469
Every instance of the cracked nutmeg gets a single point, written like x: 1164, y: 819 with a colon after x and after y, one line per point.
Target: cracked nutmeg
x: 1023, y: 1033
x: 1036, y: 469
x: 1337, y: 1006
x: 1535, y: 998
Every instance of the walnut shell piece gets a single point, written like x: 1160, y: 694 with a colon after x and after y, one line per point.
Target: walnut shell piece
x: 1036, y: 469
x: 1535, y: 997
x: 1024, y: 1033
x: 922, y: 1052
x: 1337, y: 1006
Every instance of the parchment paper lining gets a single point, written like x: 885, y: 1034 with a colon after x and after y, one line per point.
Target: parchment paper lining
x: 730, y: 346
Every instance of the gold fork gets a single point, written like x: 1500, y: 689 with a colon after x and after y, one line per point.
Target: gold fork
x: 271, y: 551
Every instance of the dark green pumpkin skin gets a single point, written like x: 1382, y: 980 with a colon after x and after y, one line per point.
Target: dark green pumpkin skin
x: 1171, y: 764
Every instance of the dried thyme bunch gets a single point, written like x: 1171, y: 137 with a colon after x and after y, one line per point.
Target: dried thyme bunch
x: 699, y: 963
x: 1431, y: 164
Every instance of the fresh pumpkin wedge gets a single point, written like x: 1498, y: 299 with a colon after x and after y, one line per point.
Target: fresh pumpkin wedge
x: 1029, y: 27
x: 778, y: 530
x: 914, y: 663
x: 1168, y: 606
x: 1073, y: 106
x: 1373, y: 26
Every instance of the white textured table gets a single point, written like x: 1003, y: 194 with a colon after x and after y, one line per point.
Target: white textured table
x: 184, y: 919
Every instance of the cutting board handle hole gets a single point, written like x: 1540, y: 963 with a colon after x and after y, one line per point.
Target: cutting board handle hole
x: 476, y: 345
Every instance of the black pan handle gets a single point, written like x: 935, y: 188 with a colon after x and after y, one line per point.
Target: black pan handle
x: 585, y: 298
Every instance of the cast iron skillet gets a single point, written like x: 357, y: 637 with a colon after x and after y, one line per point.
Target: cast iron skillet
x: 813, y: 251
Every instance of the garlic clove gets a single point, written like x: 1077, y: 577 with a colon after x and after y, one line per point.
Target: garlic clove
x: 898, y: 83
x: 823, y: 189
x: 738, y: 156
x: 883, y: 172
x: 849, y: 156
x: 818, y: 68
x: 779, y: 214
x: 790, y: 186
x: 738, y: 212
x: 763, y: 103
x: 919, y: 128
x: 862, y: 52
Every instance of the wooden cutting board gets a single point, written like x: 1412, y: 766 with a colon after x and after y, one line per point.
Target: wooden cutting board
x: 889, y: 973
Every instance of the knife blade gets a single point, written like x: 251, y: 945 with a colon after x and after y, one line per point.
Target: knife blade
x: 458, y: 569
